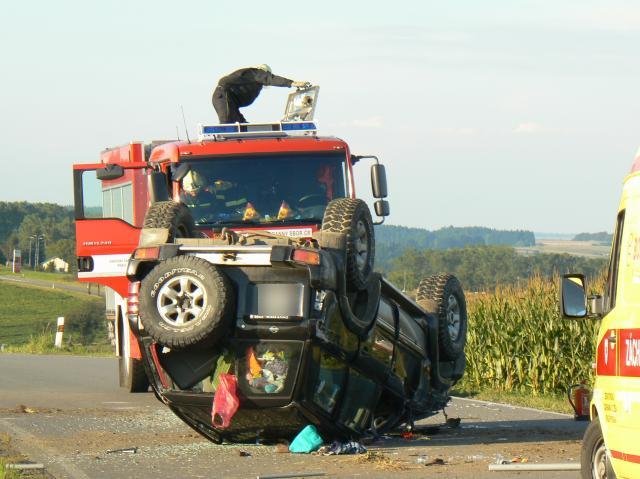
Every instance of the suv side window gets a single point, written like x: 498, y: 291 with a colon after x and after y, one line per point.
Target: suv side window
x: 612, y: 276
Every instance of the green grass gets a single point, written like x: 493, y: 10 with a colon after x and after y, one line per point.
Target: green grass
x: 44, y: 344
x: 32, y: 311
x: 8, y: 456
x: 545, y: 402
x: 27, y: 273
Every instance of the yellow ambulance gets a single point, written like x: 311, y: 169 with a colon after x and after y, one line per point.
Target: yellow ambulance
x: 611, y: 444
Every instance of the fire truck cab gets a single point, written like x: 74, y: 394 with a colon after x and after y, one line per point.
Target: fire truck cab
x: 609, y: 449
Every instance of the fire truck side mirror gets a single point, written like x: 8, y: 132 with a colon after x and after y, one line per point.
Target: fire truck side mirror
x: 378, y: 181
x: 158, y: 186
x: 573, y: 297
x: 180, y: 171
x: 381, y: 207
x: 110, y: 172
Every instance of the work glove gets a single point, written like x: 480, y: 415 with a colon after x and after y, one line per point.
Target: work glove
x: 301, y: 84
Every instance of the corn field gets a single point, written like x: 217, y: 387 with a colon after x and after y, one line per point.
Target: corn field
x: 517, y: 340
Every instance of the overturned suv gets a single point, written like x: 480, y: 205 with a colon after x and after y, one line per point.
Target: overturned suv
x: 311, y: 332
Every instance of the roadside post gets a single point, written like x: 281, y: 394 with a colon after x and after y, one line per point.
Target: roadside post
x: 59, y: 331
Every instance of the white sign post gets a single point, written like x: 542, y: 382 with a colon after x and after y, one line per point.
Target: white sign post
x: 58, y: 342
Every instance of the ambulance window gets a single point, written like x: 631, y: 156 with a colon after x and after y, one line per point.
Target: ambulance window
x: 612, y: 281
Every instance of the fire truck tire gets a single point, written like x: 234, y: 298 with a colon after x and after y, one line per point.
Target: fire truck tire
x: 174, y: 216
x: 351, y: 217
x: 442, y: 296
x: 133, y: 377
x: 594, y: 462
x: 186, y: 301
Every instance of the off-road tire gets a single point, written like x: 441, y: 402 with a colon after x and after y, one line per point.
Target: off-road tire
x: 442, y: 296
x: 594, y: 463
x: 174, y: 216
x: 186, y: 301
x: 351, y: 217
x: 132, y: 375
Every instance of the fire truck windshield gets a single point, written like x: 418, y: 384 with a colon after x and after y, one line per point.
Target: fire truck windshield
x: 285, y: 188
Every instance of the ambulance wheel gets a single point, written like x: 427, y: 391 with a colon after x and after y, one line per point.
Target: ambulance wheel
x: 186, y: 301
x: 594, y: 463
x: 351, y: 217
x: 442, y: 296
x: 173, y: 216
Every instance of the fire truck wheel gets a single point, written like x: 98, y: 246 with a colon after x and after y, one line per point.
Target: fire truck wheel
x: 351, y: 217
x: 442, y: 296
x: 594, y: 462
x: 132, y: 375
x: 174, y: 216
x: 186, y: 301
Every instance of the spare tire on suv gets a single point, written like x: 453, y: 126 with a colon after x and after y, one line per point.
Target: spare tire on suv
x: 186, y: 301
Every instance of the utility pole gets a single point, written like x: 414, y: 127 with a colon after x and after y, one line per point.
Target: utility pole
x: 37, y: 255
x: 37, y: 252
x: 32, y: 237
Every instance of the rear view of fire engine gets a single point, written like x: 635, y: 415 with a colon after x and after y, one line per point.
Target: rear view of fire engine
x: 246, y: 255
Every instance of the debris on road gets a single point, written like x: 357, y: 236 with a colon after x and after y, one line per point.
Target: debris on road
x: 307, y: 440
x: 337, y: 447
x: 126, y: 450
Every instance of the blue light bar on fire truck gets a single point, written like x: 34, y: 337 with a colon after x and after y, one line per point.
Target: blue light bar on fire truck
x: 252, y: 130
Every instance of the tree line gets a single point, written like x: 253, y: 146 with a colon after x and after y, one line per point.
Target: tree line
x: 482, y: 268
x: 39, y: 230
x: 392, y: 241
x: 601, y: 236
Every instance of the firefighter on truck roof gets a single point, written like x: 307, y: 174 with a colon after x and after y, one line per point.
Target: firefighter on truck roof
x: 242, y: 87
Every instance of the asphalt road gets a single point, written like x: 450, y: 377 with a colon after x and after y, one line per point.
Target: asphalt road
x: 65, y: 285
x: 68, y: 413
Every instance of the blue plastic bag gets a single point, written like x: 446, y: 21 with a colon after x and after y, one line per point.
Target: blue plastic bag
x: 307, y: 440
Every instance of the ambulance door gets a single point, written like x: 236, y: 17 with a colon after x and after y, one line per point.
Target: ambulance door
x: 621, y: 340
x: 110, y: 203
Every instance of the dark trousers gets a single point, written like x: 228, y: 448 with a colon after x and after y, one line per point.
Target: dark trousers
x: 226, y: 106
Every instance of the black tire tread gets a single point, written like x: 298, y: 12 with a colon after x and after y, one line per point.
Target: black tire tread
x: 592, y: 436
x: 174, y: 216
x: 339, y: 217
x: 136, y: 381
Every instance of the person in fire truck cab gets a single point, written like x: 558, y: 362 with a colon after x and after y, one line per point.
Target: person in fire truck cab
x: 242, y: 87
x: 197, y: 195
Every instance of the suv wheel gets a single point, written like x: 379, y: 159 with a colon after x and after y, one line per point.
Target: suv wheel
x: 171, y: 215
x: 186, y: 301
x: 442, y: 296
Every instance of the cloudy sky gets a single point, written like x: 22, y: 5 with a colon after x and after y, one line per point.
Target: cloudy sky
x: 501, y: 113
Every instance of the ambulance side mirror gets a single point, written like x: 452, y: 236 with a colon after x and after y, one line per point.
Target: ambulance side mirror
x: 573, y: 296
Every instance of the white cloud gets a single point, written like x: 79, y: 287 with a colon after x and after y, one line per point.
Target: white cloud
x: 457, y: 131
x: 530, y: 127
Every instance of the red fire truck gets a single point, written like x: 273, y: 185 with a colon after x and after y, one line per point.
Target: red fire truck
x: 246, y: 251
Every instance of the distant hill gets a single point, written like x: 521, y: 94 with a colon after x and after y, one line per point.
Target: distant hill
x: 393, y: 241
x: 602, y: 237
